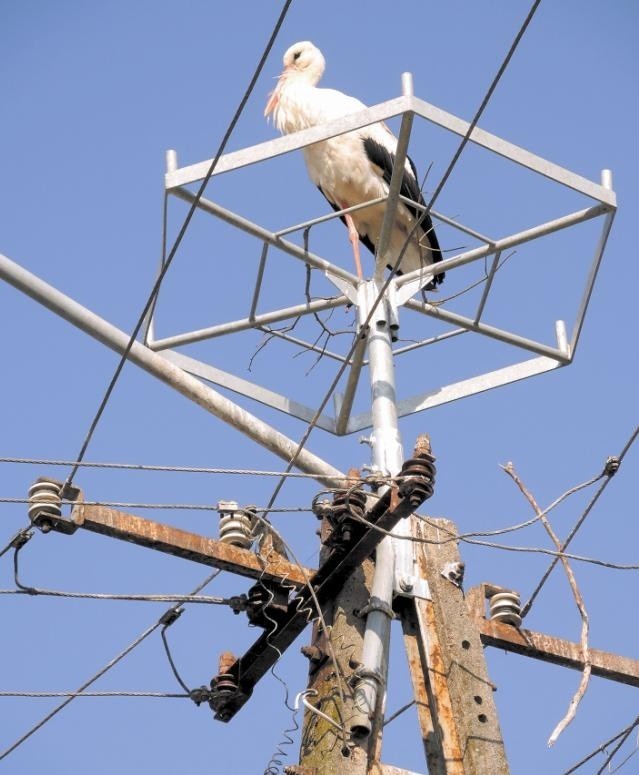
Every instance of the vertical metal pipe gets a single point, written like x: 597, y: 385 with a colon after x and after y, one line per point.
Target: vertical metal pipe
x: 387, y: 458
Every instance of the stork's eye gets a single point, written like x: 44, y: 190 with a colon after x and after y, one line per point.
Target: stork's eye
x: 297, y: 55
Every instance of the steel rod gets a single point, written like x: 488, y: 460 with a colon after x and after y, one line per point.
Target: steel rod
x: 431, y: 340
x: 397, y: 177
x: 258, y: 281
x: 346, y: 403
x: 487, y: 330
x: 266, y: 236
x: 488, y: 285
x: 159, y: 367
x: 244, y: 324
x: 423, y: 275
x: 288, y: 143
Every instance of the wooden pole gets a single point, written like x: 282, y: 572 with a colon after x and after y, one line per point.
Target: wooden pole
x: 325, y: 750
x: 456, y: 711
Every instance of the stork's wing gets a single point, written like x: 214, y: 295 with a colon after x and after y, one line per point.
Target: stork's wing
x: 381, y: 157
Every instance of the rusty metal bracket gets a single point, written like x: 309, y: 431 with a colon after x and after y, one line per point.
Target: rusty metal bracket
x: 393, y: 506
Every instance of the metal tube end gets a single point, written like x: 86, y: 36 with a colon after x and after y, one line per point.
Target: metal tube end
x: 171, y: 160
x: 562, y: 337
x: 606, y: 179
x: 407, y: 85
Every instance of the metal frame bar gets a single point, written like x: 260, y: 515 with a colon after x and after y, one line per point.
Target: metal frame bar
x: 463, y: 389
x: 244, y: 324
x: 381, y: 112
x: 487, y: 330
x: 343, y: 402
x: 412, y: 281
x: 248, y: 389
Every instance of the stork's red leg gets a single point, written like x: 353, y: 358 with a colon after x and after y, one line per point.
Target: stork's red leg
x: 353, y: 236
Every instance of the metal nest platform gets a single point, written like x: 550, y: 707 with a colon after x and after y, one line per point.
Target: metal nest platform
x: 403, y: 291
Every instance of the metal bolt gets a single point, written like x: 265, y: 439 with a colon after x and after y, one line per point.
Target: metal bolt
x: 406, y: 584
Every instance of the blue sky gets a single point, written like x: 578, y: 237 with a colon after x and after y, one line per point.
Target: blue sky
x: 93, y: 95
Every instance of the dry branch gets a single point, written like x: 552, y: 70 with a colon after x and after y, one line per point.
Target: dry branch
x: 585, y: 676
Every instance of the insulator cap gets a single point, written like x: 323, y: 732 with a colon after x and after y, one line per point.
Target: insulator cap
x: 505, y: 607
x: 45, y: 502
x: 236, y: 525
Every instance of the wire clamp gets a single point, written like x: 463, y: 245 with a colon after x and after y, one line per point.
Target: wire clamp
x: 376, y: 604
x: 171, y: 616
x: 200, y: 694
x: 612, y: 465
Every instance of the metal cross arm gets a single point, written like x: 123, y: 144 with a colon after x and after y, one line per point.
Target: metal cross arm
x: 163, y: 538
x: 546, y: 647
x: 356, y: 539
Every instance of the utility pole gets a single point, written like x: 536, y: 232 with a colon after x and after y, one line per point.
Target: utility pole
x: 416, y: 574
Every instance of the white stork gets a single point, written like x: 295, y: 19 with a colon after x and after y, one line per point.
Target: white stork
x: 355, y: 167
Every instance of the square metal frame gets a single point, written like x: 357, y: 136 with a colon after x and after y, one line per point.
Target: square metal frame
x: 401, y: 290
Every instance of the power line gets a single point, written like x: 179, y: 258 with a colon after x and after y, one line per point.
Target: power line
x: 145, y: 467
x: 164, y: 695
x: 178, y: 240
x: 609, y: 474
x: 145, y: 634
x: 602, y: 747
x: 168, y: 506
x: 204, y: 599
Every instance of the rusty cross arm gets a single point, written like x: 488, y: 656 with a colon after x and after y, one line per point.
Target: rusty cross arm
x: 548, y: 648
x: 326, y: 581
x: 179, y: 543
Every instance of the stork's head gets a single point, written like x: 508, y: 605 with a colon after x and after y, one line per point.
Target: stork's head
x: 303, y: 62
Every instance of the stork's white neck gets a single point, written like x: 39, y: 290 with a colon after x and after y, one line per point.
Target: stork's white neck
x: 297, y: 106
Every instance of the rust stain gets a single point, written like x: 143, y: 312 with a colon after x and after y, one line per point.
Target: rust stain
x: 190, y: 546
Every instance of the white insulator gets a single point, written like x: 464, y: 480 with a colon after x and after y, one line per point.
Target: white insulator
x: 236, y: 525
x: 505, y: 607
x: 45, y: 500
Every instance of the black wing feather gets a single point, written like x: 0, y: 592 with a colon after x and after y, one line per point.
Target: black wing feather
x: 382, y: 158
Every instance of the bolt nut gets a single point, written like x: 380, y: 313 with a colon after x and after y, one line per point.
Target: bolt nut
x: 406, y: 584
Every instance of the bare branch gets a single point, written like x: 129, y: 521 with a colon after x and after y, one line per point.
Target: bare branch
x: 585, y: 676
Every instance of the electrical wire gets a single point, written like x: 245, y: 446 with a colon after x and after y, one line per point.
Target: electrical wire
x: 172, y: 469
x: 602, y: 747
x: 178, y: 240
x: 143, y: 636
x: 175, y: 506
x: 204, y: 599
x: 526, y: 608
x: 163, y: 695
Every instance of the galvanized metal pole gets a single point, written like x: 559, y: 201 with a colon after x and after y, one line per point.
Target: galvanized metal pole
x: 159, y: 367
x: 388, y: 457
